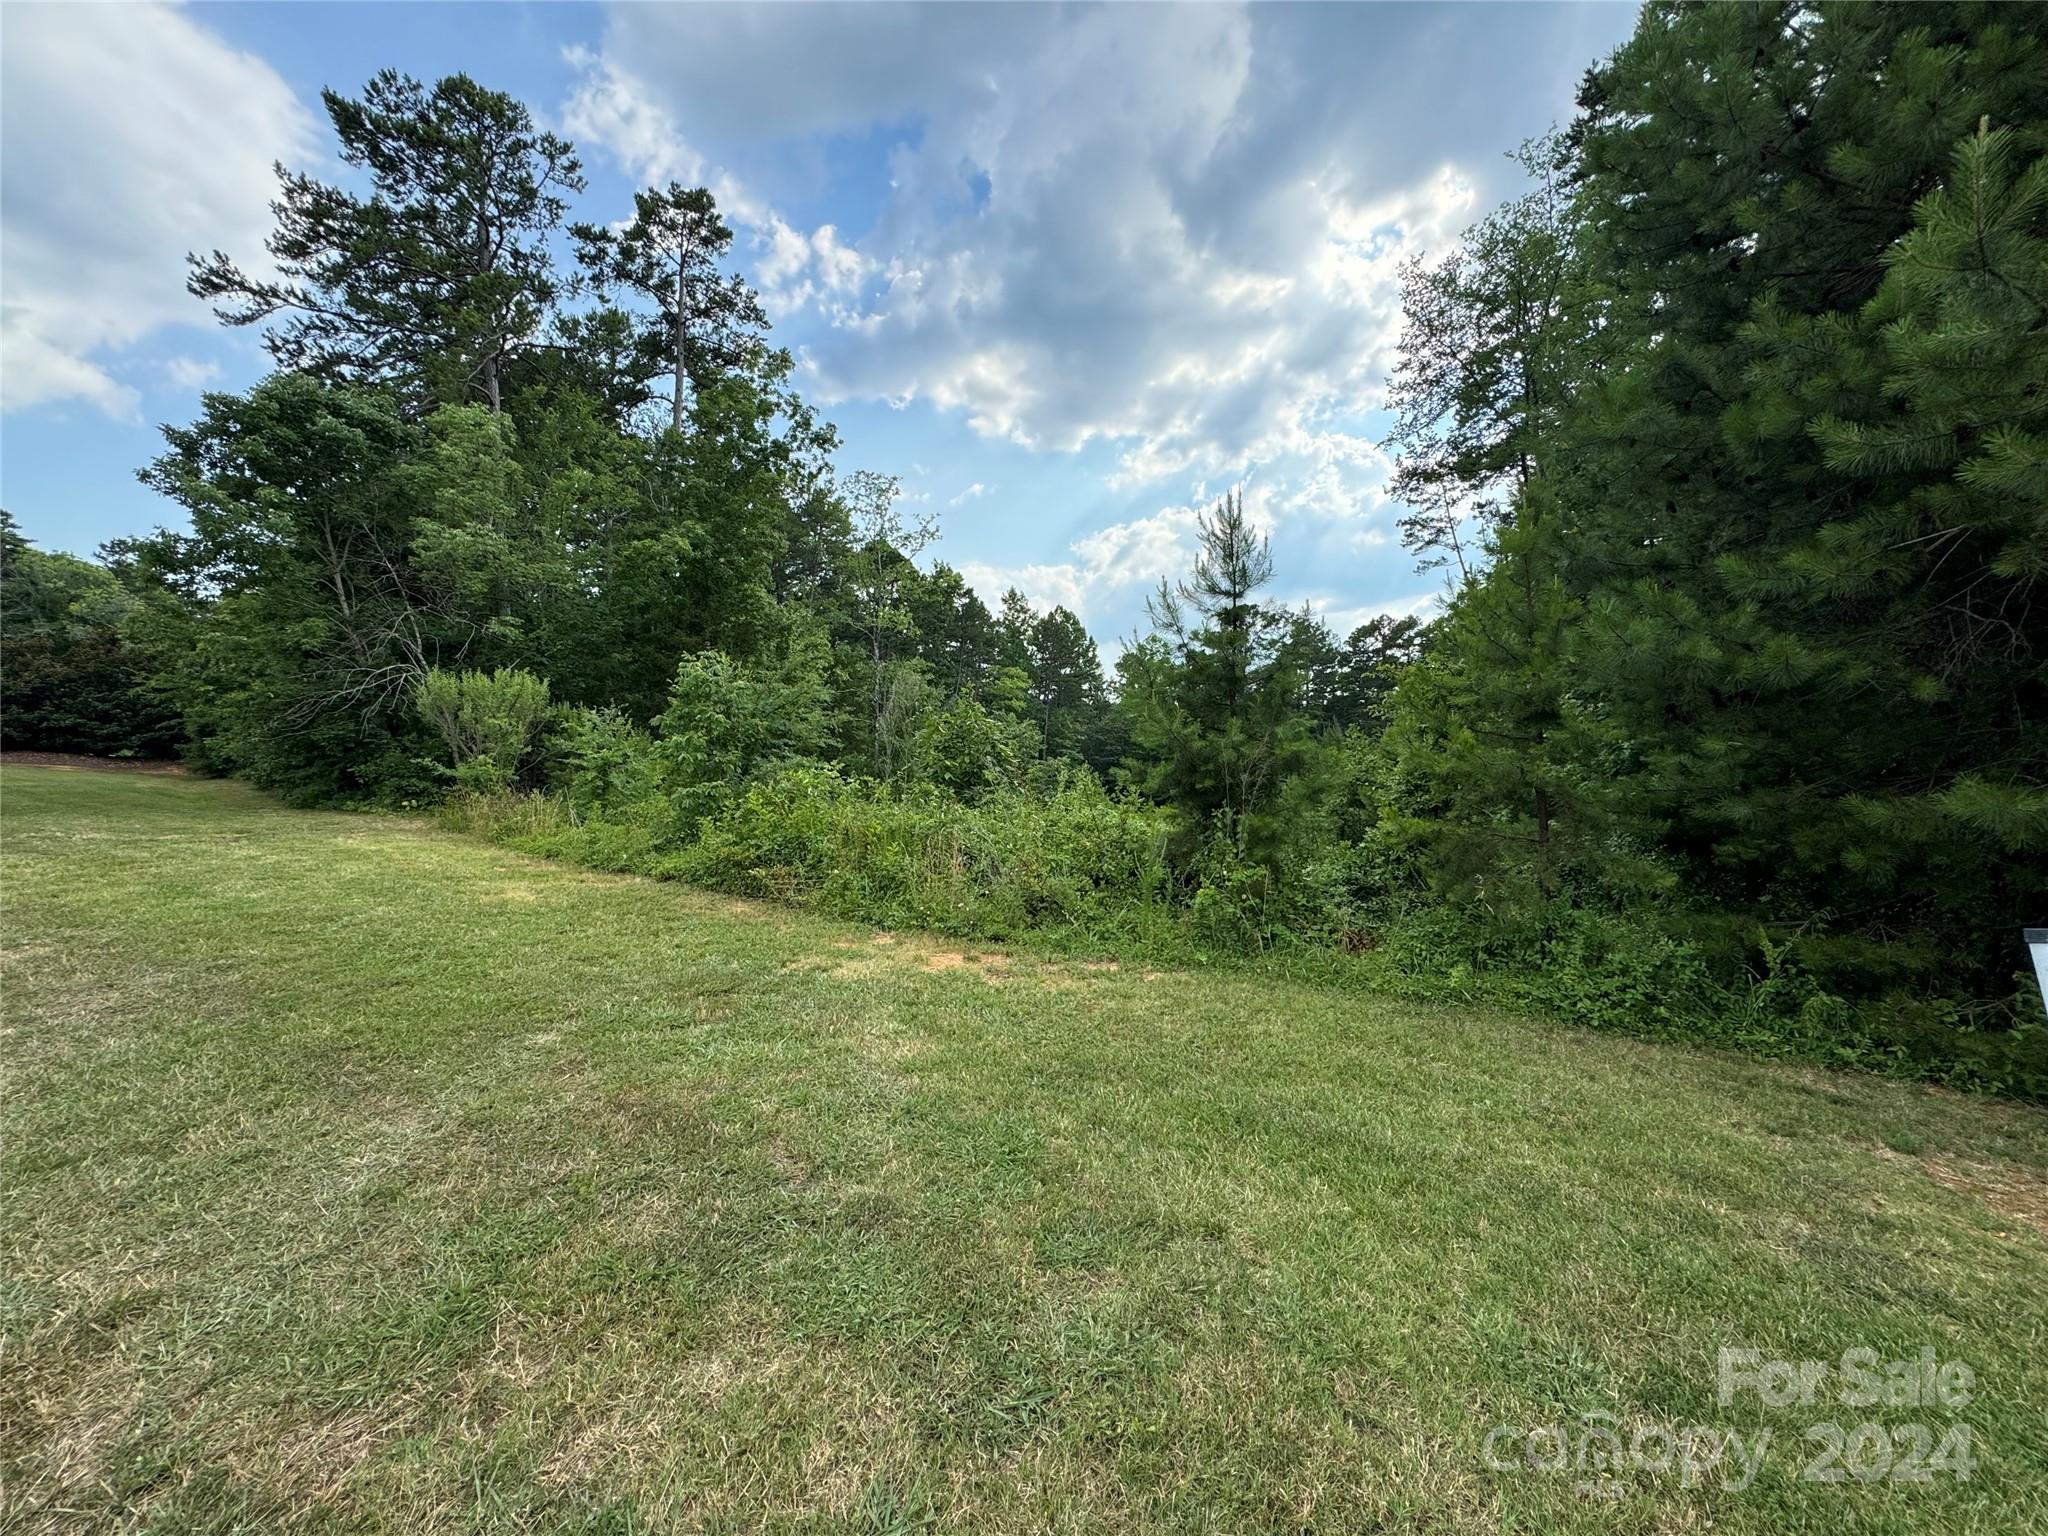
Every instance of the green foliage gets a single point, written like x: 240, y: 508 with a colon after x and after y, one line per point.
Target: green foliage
x: 439, y: 280
x: 70, y: 678
x: 1751, y: 652
x: 956, y: 637
x: 705, y: 324
x: 1077, y: 861
x: 86, y: 694
x: 602, y: 761
x: 1216, y: 707
x: 970, y: 753
x: 1496, y: 333
x: 1817, y: 643
x: 489, y: 721
x: 880, y: 582
x: 339, y: 552
x: 727, y: 720
x: 1066, y: 681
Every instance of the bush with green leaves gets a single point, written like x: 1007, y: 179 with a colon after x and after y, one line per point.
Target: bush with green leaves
x: 727, y: 720
x: 601, y: 761
x: 1079, y: 860
x: 488, y: 721
x: 968, y: 752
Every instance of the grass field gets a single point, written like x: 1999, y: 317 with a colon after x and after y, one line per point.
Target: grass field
x: 359, y: 1176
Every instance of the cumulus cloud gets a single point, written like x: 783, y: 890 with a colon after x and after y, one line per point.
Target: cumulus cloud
x: 1169, y: 236
x: 128, y: 135
x: 779, y: 71
x: 191, y: 372
x: 610, y: 107
x: 1176, y: 232
x: 1343, y: 617
x: 969, y: 493
x: 1118, y: 561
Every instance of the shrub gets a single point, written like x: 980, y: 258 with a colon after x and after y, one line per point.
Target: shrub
x: 602, y: 761
x: 488, y: 721
x: 970, y: 753
x: 1077, y: 861
x: 727, y: 719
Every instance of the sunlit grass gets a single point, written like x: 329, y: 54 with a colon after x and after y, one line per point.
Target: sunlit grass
x: 360, y: 1175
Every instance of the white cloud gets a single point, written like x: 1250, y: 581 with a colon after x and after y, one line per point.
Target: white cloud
x: 1047, y: 586
x: 610, y: 107
x: 128, y: 136
x: 772, y: 71
x: 1343, y: 617
x: 1109, y: 562
x: 1108, y: 227
x: 607, y: 107
x: 35, y: 368
x: 191, y: 372
x: 969, y: 493
x: 1173, y: 234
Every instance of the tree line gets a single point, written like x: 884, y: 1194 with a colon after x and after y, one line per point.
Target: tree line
x: 1727, y: 434
x: 1735, y: 422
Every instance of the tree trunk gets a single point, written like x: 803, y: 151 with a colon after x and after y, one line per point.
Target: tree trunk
x: 881, y: 746
x: 674, y: 410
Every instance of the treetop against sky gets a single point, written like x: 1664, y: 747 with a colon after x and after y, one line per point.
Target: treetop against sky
x: 1068, y: 271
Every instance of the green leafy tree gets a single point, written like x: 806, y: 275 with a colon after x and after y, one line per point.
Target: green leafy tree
x: 880, y: 579
x: 338, y: 553
x: 1370, y: 665
x: 1066, y: 682
x: 1786, y: 681
x: 956, y: 637
x: 1754, y: 619
x: 1909, y: 618
x: 706, y: 323
x: 1015, y: 622
x: 727, y: 720
x: 1493, y: 333
x: 819, y: 529
x: 1216, y: 710
x: 47, y: 593
x: 968, y: 751
x: 681, y: 538
x: 1345, y: 687
x: 70, y: 679
x: 1497, y: 791
x: 440, y: 280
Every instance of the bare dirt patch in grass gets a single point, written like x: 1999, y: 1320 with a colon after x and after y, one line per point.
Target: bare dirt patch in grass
x: 2018, y: 1194
x: 849, y: 959
x: 2011, y: 1192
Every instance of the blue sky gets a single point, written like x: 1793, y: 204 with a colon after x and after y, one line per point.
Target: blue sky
x: 1069, y: 271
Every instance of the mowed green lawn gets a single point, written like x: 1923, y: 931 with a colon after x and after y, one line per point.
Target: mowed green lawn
x: 359, y: 1176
